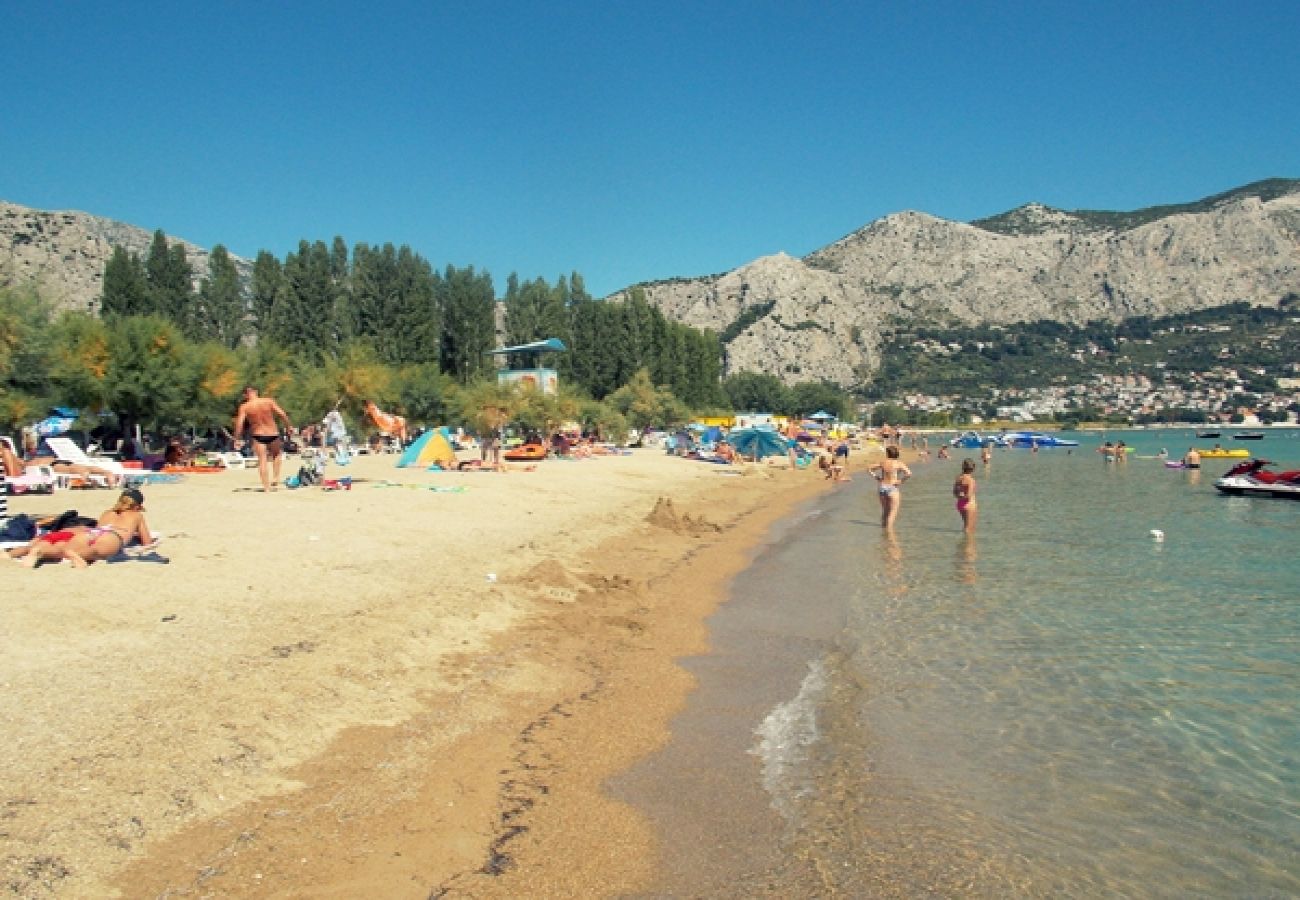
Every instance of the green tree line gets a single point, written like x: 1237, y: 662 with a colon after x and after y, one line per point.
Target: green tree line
x: 331, y: 325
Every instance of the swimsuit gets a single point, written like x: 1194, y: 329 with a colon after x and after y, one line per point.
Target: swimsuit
x: 962, y: 504
x: 100, y: 530
x: 57, y: 537
x: 267, y: 439
x: 887, y: 489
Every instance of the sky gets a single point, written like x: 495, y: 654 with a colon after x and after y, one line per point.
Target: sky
x: 631, y: 141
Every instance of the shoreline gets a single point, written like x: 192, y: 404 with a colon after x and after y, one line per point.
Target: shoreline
x: 471, y: 767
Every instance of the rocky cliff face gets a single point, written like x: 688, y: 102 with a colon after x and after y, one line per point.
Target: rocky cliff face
x: 64, y: 253
x: 823, y: 316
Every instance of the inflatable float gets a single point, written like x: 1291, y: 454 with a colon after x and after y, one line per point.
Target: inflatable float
x: 1223, y: 454
x: 525, y: 453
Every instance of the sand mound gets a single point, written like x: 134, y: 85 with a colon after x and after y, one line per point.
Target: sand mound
x: 665, y: 515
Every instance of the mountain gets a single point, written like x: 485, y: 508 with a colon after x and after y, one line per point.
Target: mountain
x: 825, y: 316
x: 64, y: 253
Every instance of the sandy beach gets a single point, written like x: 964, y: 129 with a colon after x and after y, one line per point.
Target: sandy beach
x: 412, y: 688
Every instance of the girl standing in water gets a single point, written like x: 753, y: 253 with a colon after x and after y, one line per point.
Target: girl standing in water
x: 891, y: 473
x: 964, y: 490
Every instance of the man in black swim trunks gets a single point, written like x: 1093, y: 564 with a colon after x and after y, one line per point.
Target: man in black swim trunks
x: 259, y: 413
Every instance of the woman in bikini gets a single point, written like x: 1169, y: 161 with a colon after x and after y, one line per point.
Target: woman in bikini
x: 83, y: 546
x: 891, y: 473
x: 964, y: 490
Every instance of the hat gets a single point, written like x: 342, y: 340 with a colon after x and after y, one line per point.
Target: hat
x: 134, y: 495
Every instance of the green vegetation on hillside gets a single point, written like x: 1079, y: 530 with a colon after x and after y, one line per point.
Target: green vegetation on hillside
x: 977, y: 361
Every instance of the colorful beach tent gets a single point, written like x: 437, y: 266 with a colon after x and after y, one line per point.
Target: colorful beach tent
x: 434, y: 446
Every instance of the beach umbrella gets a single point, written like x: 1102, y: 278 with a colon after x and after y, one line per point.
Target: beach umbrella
x: 822, y: 414
x: 758, y: 442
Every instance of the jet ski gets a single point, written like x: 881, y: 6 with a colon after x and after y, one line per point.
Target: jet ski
x: 1252, y: 479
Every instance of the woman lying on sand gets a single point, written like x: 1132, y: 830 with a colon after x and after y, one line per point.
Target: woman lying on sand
x: 82, y: 546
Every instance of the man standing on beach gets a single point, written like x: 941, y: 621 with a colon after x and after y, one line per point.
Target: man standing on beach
x: 259, y: 414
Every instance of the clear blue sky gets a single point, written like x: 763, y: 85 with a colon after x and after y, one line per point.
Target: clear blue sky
x: 631, y: 141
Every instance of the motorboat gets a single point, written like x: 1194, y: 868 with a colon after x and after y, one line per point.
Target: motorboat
x: 1035, y: 439
x: 1248, y: 436
x: 1253, y: 479
x: 1209, y: 434
x: 973, y: 440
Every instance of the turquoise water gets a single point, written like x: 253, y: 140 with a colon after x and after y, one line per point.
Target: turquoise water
x: 1062, y: 705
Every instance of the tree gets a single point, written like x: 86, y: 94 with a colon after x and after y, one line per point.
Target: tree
x: 268, y: 281
x: 808, y: 397
x: 219, y: 314
x: 469, y: 322
x: 169, y: 278
x: 130, y: 365
x: 754, y: 392
x: 486, y: 405
x: 25, y: 347
x: 886, y: 413
x: 126, y: 289
x: 644, y: 405
x: 211, y: 369
x: 423, y: 393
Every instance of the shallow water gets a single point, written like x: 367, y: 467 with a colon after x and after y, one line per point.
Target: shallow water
x: 1062, y: 705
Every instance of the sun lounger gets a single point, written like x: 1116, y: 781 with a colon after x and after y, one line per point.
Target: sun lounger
x: 67, y: 450
x: 36, y: 479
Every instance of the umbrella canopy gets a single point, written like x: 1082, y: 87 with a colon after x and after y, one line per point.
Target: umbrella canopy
x: 758, y: 442
x: 822, y: 414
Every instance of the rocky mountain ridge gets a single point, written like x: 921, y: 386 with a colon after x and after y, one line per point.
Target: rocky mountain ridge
x: 822, y: 317
x: 64, y: 253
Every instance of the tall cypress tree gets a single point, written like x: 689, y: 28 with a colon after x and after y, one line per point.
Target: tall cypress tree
x: 126, y: 290
x: 468, y: 306
x: 219, y: 314
x: 167, y: 270
x: 268, y: 277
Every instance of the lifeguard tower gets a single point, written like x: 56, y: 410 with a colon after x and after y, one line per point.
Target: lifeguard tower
x: 532, y: 374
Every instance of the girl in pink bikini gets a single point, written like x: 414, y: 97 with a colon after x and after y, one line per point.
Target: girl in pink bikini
x: 964, y: 490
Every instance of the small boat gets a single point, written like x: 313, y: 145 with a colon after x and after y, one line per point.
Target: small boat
x: 973, y: 440
x: 1209, y: 434
x: 1221, y: 453
x: 1248, y: 436
x: 1035, y: 439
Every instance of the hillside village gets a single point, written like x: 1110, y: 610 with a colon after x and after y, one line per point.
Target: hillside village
x: 1227, y: 392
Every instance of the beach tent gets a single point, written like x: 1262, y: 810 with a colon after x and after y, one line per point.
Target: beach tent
x: 434, y: 446
x: 758, y: 442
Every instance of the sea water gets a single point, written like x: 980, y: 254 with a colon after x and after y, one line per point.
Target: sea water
x: 1094, y: 695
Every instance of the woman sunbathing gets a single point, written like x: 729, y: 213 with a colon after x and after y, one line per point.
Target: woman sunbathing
x: 63, y: 467
x: 82, y: 546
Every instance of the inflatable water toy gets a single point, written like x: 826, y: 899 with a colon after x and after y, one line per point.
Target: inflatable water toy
x: 1222, y: 453
x: 525, y: 453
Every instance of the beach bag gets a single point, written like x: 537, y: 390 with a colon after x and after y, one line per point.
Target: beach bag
x: 21, y: 527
